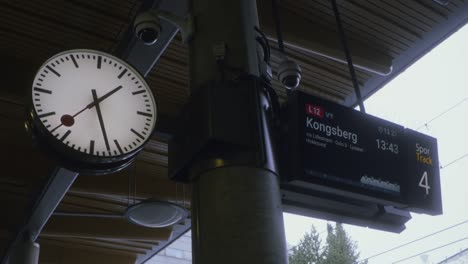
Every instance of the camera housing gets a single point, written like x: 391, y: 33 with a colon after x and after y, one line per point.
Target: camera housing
x: 147, y: 27
x: 289, y: 73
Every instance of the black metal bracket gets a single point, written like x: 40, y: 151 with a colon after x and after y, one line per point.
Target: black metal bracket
x: 43, y: 206
x: 144, y: 57
x: 225, y: 123
x: 344, y: 210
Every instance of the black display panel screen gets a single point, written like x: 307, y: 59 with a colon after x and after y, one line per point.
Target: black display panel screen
x: 332, y: 148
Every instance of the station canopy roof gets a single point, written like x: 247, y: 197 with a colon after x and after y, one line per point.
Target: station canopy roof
x: 385, y: 37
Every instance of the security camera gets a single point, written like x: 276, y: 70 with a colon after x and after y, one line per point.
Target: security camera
x: 289, y: 73
x: 147, y: 27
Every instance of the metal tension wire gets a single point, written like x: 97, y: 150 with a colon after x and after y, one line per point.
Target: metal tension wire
x: 276, y: 17
x: 348, y: 56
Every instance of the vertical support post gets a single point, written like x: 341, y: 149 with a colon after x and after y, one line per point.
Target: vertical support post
x: 236, y: 210
x: 25, y: 252
x: 231, y: 22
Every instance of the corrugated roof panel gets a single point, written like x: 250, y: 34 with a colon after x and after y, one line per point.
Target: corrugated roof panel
x: 54, y: 26
x: 321, y: 13
x: 387, y: 11
x: 58, y: 22
x: 384, y: 25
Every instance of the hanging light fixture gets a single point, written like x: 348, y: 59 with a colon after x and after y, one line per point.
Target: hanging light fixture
x: 149, y: 213
x: 155, y: 214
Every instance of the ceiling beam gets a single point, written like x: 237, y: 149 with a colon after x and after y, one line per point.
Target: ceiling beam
x: 301, y: 34
x: 87, y: 204
x: 129, y: 243
x: 106, y: 228
x: 107, y: 244
x: 65, y: 251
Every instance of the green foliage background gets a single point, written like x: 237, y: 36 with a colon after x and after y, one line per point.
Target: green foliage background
x: 338, y: 248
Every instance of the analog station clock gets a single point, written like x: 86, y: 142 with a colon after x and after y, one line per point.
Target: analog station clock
x: 93, y: 111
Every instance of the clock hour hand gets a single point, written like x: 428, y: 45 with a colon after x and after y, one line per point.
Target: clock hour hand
x: 101, y: 121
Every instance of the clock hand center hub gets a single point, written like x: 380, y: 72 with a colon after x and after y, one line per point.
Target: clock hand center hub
x: 67, y: 120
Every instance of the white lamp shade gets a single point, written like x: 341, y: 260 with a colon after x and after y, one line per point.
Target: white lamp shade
x: 155, y: 214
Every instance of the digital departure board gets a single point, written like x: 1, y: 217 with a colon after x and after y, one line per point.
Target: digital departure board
x: 423, y: 181
x: 335, y: 149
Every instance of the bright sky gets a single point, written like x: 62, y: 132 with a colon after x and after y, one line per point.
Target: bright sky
x: 434, y: 84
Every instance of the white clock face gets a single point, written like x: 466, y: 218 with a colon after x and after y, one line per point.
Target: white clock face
x: 94, y: 103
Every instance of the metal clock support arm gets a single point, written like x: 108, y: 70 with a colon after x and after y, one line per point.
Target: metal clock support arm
x: 184, y: 24
x: 43, y: 206
x: 144, y: 57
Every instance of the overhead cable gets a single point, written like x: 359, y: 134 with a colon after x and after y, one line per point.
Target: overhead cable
x: 443, y: 113
x: 430, y: 250
x: 276, y: 17
x: 454, y: 161
x: 416, y: 240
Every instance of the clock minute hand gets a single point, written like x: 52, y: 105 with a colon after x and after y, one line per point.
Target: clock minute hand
x: 101, y: 121
x: 102, y: 98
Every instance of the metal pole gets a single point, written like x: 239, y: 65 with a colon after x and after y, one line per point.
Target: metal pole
x: 236, y: 211
x: 26, y: 252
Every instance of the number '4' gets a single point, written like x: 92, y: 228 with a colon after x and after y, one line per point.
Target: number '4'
x: 424, y: 183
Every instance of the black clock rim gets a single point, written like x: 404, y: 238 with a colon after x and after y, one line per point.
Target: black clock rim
x: 80, y: 166
x: 68, y: 155
x: 75, y: 156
